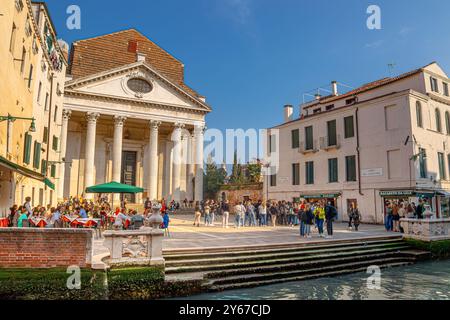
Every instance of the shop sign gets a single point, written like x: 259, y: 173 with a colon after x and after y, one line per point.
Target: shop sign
x: 395, y: 193
x: 374, y: 172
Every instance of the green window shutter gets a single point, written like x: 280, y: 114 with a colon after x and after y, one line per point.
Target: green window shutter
x: 295, y: 134
x: 27, y: 148
x: 53, y: 171
x: 45, y: 138
x: 43, y: 167
x: 350, y: 164
x: 55, y: 143
x: 309, y: 172
x: 333, y: 170
x: 349, y: 127
x: 309, y: 138
x: 332, y: 135
x: 37, y: 155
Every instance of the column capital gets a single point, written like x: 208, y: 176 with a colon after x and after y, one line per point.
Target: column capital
x: 179, y: 125
x: 92, y: 117
x: 199, y: 129
x: 119, y: 120
x: 154, y: 124
x: 66, y: 113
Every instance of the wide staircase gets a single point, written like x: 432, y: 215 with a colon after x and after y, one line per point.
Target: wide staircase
x: 250, y: 266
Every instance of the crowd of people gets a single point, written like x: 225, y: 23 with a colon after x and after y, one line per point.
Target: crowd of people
x: 75, y: 209
x: 305, y: 214
x: 398, y: 209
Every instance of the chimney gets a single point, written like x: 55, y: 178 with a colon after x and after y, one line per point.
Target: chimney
x: 140, y: 57
x: 318, y: 96
x: 288, y: 113
x: 334, y: 88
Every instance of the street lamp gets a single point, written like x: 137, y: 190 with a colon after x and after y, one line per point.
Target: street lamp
x: 11, y: 120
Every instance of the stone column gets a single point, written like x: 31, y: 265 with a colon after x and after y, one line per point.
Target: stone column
x: 190, y: 167
x: 167, y: 175
x: 198, y: 134
x: 153, y: 160
x: 177, y: 161
x: 117, y: 148
x: 89, y: 178
x: 62, y: 156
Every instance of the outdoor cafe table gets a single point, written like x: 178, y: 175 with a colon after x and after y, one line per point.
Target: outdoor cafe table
x: 4, y: 222
x: 85, y: 222
x: 38, y: 222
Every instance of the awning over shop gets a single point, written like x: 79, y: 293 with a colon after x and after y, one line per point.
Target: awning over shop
x: 407, y: 193
x: 321, y: 196
x: 443, y: 194
x: 21, y: 170
x: 49, y: 184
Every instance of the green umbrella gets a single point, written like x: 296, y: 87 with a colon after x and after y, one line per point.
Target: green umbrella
x: 114, y: 187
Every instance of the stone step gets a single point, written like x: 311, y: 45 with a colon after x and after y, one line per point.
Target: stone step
x: 312, y: 265
x: 278, y: 261
x: 184, y: 254
x: 345, y: 269
x: 257, y: 256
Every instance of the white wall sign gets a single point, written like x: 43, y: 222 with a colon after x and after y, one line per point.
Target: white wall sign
x: 374, y: 172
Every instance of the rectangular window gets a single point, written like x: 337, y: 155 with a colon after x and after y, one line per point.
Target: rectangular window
x: 434, y: 84
x: 349, y: 127
x: 27, y: 148
x: 350, y: 101
x: 55, y: 115
x: 350, y: 168
x: 423, y: 163
x: 446, y: 92
x: 45, y: 137
x: 43, y: 167
x: 331, y: 130
x: 46, y: 102
x: 309, y: 174
x: 53, y: 171
x: 295, y: 174
x: 273, y: 180
x: 318, y: 110
x: 309, y: 138
x: 295, y: 137
x: 12, y: 41
x: 30, y: 76
x: 37, y: 155
x: 330, y: 107
x: 55, y: 143
x: 39, y: 92
x: 22, y: 61
x: 332, y: 170
x: 442, y: 170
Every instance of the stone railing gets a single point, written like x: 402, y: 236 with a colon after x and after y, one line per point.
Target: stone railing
x: 426, y: 229
x: 137, y: 247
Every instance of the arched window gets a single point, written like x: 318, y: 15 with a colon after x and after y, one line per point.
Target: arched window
x: 419, y: 114
x: 447, y: 122
x: 438, y: 120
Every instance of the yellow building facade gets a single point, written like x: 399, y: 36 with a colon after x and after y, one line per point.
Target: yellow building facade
x: 32, y: 74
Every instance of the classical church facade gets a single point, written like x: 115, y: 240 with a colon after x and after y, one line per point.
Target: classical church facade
x: 129, y: 117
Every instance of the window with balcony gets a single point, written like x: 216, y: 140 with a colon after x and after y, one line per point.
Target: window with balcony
x: 333, y: 170
x: 331, y: 133
x: 309, y: 138
x: 309, y: 172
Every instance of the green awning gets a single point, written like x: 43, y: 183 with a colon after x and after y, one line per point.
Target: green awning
x: 21, y: 170
x: 49, y: 184
x: 114, y: 187
x: 321, y: 196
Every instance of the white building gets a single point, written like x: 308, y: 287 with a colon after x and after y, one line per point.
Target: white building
x: 388, y: 139
x: 127, y: 116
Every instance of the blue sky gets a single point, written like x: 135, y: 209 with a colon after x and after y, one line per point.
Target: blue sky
x: 250, y: 57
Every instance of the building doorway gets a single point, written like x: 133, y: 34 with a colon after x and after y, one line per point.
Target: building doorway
x: 129, y: 167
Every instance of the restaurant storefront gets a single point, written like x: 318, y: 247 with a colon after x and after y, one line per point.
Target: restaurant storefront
x: 329, y: 197
x: 412, y: 196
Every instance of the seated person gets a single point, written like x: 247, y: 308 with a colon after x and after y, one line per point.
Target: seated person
x: 137, y: 220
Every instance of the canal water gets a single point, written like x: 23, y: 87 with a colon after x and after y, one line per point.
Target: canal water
x: 423, y: 281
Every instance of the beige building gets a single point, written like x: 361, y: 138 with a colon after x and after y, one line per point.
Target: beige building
x: 31, y: 71
x: 387, y: 140
x: 128, y: 115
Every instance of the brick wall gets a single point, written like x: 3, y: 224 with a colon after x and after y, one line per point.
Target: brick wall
x: 45, y: 248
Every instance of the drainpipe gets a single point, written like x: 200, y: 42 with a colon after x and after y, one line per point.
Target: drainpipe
x: 358, y: 151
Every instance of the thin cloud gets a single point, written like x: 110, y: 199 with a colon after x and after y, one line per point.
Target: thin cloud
x: 405, y: 31
x: 238, y: 10
x: 375, y: 44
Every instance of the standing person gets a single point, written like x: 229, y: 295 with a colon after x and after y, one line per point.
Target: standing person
x: 402, y: 212
x: 239, y: 211
x: 13, y: 215
x: 330, y: 215
x: 22, y: 221
x: 226, y: 214
x: 319, y: 213
x: 309, y: 220
x: 420, y: 209
x: 27, y: 206
x: 212, y: 209
x: 303, y: 220
x: 349, y: 214
x: 356, y: 216
x: 198, y: 214
x: 396, y: 217
x: 263, y: 213
x: 207, y: 214
x: 274, y: 212
x: 251, y: 215
x: 388, y: 218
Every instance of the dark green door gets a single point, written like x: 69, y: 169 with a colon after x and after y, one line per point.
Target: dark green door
x: 129, y: 159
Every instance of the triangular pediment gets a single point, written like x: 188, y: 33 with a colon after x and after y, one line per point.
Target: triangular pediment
x: 116, y: 84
